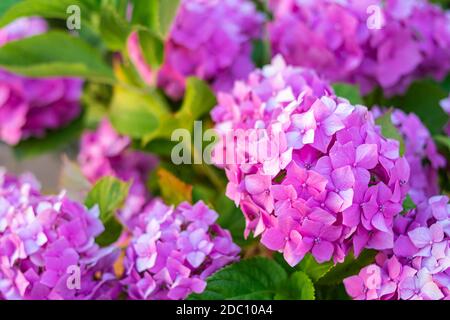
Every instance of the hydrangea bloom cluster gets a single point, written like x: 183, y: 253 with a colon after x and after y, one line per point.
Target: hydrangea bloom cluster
x: 47, y: 248
x: 421, y: 152
x: 418, y: 267
x: 173, y: 250
x: 209, y: 39
x: 104, y: 152
x: 29, y: 107
x: 333, y: 181
x: 367, y: 42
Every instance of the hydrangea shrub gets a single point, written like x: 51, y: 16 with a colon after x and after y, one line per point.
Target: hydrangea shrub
x: 174, y: 250
x: 45, y: 240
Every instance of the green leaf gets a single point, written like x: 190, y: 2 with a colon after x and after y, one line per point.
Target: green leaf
x: 109, y: 194
x: 390, y: 131
x: 113, y: 28
x: 93, y: 5
x: 203, y: 193
x: 349, y: 267
x: 156, y: 14
x: 423, y: 99
x: 443, y: 141
x: 279, y: 258
x: 173, y: 190
x: 199, y: 100
x: 261, y: 53
x: 408, y: 204
x: 152, y: 48
x: 263, y: 7
x: 349, y: 92
x: 313, y: 269
x: 145, y: 13
x: 331, y: 292
x: 5, y: 5
x: 137, y: 114
x: 374, y: 98
x: 298, y: 287
x: 167, y: 11
x: 160, y: 147
x: 56, y: 9
x: 253, y: 279
x: 113, y: 230
x: 446, y: 83
x: 95, y: 100
x: 54, y: 54
x: 119, y: 5
x: 53, y: 139
x: 232, y: 219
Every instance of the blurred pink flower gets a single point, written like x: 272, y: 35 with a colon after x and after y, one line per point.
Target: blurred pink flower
x: 42, y: 238
x: 418, y: 266
x: 211, y: 40
x: 30, y: 106
x: 176, y: 260
x: 105, y: 152
x: 408, y: 40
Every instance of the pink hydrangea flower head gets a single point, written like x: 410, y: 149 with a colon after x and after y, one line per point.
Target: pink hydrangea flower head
x: 310, y: 171
x: 29, y: 106
x: 174, y: 250
x: 105, y: 152
x: 211, y: 40
x: 418, y: 266
x: 47, y: 246
x: 323, y: 35
x: 370, y: 43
